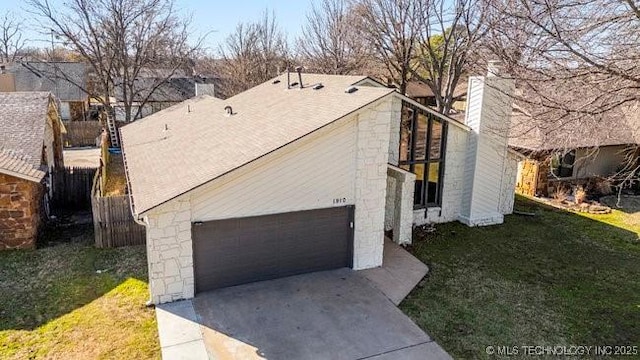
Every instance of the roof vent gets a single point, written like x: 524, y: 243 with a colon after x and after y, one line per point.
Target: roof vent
x: 294, y: 83
x: 351, y: 89
x: 228, y: 111
x: 276, y: 81
x: 318, y: 86
x: 299, y: 71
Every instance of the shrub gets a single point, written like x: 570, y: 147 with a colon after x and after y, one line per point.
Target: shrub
x: 580, y: 195
x: 560, y: 193
x: 602, y: 186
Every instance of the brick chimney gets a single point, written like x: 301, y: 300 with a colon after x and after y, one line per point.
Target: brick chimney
x: 489, y: 106
x: 7, y: 81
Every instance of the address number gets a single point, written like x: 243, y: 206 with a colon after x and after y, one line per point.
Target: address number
x: 339, y: 201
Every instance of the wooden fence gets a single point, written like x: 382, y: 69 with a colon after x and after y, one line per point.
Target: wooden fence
x: 82, y: 133
x: 71, y: 188
x: 112, y: 220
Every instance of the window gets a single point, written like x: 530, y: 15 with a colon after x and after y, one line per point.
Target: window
x: 562, y: 164
x: 422, y: 145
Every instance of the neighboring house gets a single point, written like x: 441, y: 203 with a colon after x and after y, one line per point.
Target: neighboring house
x: 569, y: 153
x: 423, y: 94
x: 161, y: 94
x: 281, y: 180
x: 65, y: 80
x: 30, y: 148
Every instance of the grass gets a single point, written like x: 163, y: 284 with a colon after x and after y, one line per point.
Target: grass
x: 55, y: 305
x: 558, y: 278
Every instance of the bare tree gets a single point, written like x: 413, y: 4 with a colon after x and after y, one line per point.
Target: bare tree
x: 122, y: 40
x: 254, y: 53
x: 576, y: 64
x: 446, y: 50
x: 393, y: 28
x: 330, y: 43
x: 11, y: 40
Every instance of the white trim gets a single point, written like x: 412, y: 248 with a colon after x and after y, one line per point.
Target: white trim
x: 22, y: 176
x: 431, y: 111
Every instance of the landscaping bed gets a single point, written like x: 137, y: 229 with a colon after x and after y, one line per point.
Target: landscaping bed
x: 556, y: 278
x: 69, y: 300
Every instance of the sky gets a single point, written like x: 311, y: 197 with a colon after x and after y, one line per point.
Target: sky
x: 216, y: 17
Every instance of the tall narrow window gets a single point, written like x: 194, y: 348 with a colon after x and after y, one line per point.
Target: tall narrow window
x: 422, y: 142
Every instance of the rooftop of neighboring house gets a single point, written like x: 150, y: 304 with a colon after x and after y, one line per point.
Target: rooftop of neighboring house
x: 418, y: 89
x: 63, y: 79
x: 177, y: 149
x: 23, y: 118
x: 176, y: 88
x: 550, y: 131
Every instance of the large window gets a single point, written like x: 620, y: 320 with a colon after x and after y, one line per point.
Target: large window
x: 422, y: 144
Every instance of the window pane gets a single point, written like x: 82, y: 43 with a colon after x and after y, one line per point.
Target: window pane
x: 418, y: 169
x: 436, y: 140
x: 433, y: 179
x: 421, y: 137
x: 406, y: 127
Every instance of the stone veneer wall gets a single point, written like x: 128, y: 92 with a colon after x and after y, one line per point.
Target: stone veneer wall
x: 19, y: 212
x: 527, y: 177
x: 169, y: 243
x: 373, y: 138
x: 170, y: 252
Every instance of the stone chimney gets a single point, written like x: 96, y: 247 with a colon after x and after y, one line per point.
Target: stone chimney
x: 7, y: 81
x: 489, y: 106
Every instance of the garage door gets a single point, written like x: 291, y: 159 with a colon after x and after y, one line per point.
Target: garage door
x: 237, y: 251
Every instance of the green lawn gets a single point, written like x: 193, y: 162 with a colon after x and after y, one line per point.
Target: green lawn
x: 558, y: 278
x: 54, y: 304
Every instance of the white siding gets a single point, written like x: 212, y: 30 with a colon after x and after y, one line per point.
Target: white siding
x: 509, y: 178
x: 48, y: 143
x: 309, y: 175
x: 346, y: 160
x: 605, y: 161
x: 488, y: 114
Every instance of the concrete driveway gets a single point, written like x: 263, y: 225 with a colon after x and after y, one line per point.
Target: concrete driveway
x: 335, y: 314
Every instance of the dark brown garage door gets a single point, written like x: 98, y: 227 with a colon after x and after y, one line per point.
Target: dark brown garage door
x: 237, y: 251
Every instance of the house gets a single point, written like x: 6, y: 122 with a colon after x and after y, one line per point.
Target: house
x: 566, y: 153
x: 67, y: 81
x: 422, y: 93
x: 285, y: 178
x: 155, y: 93
x: 30, y: 148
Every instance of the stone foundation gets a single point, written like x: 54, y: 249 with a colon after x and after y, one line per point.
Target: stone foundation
x: 19, y: 212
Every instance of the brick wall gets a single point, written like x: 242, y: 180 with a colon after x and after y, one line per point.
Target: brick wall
x: 19, y: 212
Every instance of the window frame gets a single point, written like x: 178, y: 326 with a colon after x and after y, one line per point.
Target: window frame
x: 411, y: 161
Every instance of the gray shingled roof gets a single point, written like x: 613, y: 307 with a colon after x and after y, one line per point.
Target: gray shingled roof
x: 201, y: 143
x: 63, y: 79
x: 175, y: 89
x: 23, y: 117
x: 618, y: 127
